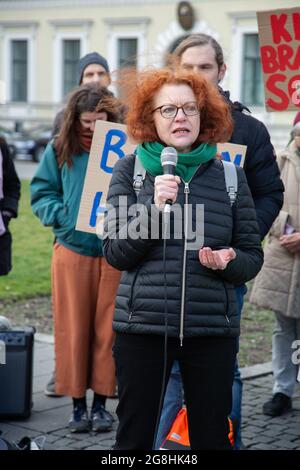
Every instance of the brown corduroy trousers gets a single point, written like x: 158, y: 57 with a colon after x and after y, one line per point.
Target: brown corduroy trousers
x: 83, y: 291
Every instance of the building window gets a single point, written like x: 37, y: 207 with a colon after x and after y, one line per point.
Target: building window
x: 127, y: 52
x: 252, y: 80
x: 19, y: 70
x: 70, y: 57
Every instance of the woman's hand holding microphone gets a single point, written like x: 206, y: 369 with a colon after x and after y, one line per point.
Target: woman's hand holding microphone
x: 165, y: 188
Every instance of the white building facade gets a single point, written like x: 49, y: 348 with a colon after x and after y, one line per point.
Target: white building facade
x: 42, y: 40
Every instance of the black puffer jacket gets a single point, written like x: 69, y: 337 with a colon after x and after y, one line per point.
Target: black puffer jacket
x: 260, y: 166
x: 11, y: 183
x: 8, y: 206
x: 209, y: 302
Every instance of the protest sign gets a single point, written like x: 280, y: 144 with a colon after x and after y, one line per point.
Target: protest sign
x: 234, y: 153
x: 110, y: 143
x: 279, y: 38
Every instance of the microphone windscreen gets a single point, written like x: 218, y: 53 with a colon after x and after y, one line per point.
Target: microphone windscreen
x: 169, y: 156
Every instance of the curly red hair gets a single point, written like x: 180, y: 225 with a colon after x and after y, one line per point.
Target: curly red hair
x: 216, y: 122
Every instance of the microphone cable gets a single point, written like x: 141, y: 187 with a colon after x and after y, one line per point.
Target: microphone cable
x: 166, y: 221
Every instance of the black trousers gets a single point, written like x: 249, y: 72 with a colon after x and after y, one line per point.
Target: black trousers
x: 5, y: 253
x: 207, y: 366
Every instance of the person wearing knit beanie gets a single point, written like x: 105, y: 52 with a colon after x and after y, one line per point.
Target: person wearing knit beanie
x: 93, y: 67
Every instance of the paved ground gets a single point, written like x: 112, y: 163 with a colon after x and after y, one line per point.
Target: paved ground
x: 50, y: 415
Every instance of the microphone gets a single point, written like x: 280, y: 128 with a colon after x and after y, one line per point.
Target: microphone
x: 168, y: 160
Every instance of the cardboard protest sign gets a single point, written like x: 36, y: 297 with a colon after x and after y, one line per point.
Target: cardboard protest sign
x: 279, y: 37
x: 110, y: 143
x: 234, y: 153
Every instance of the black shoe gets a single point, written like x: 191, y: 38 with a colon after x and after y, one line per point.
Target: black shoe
x: 279, y: 404
x: 79, y: 420
x: 101, y: 419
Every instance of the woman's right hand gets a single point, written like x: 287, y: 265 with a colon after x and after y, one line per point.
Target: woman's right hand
x: 165, y: 187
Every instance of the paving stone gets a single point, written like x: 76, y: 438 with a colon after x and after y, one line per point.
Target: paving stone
x: 107, y: 445
x: 265, y: 439
x: 263, y: 447
x: 61, y: 432
x: 296, y: 441
x: 284, y: 444
x: 96, y: 438
x: 14, y: 431
x: 65, y: 442
x: 52, y: 438
x: 64, y: 448
x: 270, y: 432
x: 259, y: 423
x: 253, y: 429
x: 43, y: 403
x: 95, y: 447
x: 48, y: 421
x: 81, y: 444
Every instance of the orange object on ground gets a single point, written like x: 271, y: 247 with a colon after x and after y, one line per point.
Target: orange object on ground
x: 178, y: 437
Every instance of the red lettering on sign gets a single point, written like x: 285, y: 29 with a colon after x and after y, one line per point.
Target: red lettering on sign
x: 279, y: 31
x: 296, y: 65
x: 269, y: 59
x: 285, y: 53
x: 294, y: 90
x: 271, y: 86
x: 296, y: 23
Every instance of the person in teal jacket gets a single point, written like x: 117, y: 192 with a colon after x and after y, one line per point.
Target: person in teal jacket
x: 84, y: 285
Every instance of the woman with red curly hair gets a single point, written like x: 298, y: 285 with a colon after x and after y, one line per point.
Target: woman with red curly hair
x: 183, y: 309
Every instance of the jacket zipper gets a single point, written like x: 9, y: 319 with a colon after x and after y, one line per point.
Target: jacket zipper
x: 186, y: 192
x: 131, y: 295
x: 227, y: 303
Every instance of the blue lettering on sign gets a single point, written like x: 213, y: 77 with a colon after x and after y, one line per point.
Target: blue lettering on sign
x: 237, y: 159
x: 109, y: 147
x: 97, y: 209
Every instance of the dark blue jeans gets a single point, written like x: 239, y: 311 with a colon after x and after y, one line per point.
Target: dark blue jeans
x: 174, y: 393
x: 237, y: 388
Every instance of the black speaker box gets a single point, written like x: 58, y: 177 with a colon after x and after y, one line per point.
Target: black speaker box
x: 16, y: 373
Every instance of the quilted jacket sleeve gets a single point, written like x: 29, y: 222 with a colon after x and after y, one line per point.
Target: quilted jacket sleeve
x: 46, y: 190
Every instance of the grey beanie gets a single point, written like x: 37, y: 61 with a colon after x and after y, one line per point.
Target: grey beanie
x: 88, y: 59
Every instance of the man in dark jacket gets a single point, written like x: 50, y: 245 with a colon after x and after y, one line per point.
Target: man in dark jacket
x: 203, y: 54
x: 9, y: 200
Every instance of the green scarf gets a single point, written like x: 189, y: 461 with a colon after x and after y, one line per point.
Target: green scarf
x: 187, y: 164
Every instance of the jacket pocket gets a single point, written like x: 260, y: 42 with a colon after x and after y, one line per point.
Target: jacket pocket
x: 65, y: 229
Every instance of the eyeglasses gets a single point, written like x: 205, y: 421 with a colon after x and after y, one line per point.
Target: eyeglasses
x: 169, y: 111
